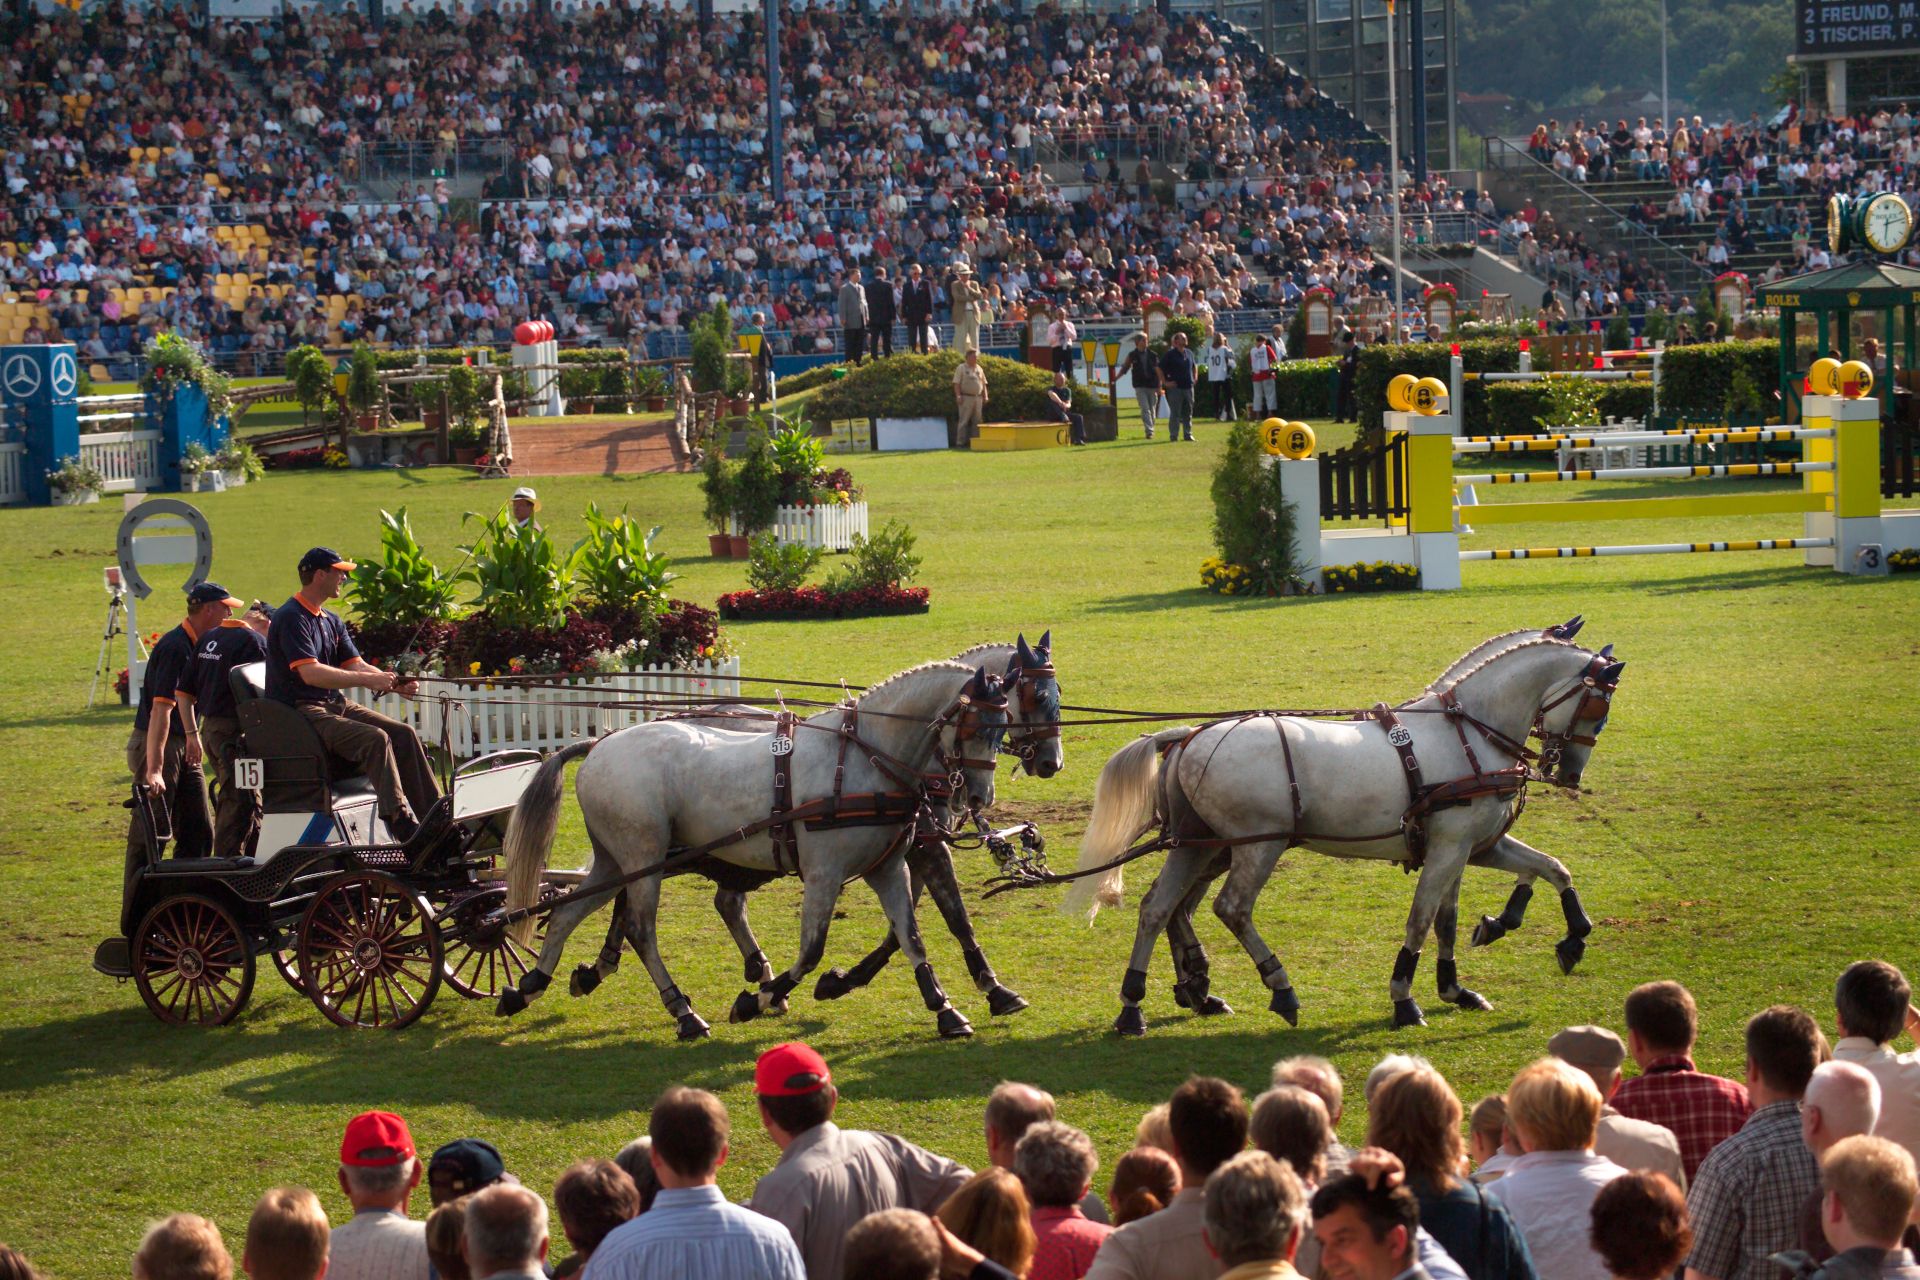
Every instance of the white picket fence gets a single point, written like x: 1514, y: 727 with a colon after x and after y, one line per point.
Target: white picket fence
x: 12, y: 488
x: 478, y: 718
x: 830, y: 527
x: 128, y: 459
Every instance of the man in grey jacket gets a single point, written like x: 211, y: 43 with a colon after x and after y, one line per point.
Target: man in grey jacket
x: 853, y: 316
x: 829, y: 1178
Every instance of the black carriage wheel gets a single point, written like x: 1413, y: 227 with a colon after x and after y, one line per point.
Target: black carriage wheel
x: 370, y: 953
x: 280, y: 945
x: 480, y: 965
x: 191, y: 962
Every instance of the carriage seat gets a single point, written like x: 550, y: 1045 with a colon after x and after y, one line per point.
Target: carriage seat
x: 301, y: 775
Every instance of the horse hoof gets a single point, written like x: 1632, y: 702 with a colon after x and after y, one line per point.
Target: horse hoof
x: 1180, y: 996
x: 1286, y: 1004
x: 954, y: 1024
x: 1002, y: 1001
x: 778, y: 1007
x: 1569, y: 951
x: 1468, y: 999
x: 746, y: 1007
x: 1406, y: 1013
x: 1131, y: 1021
x: 585, y: 978
x: 510, y: 1003
x: 1488, y: 931
x: 832, y: 985
x: 693, y: 1026
x: 1212, y: 1007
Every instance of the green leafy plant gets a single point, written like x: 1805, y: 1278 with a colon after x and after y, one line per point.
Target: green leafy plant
x: 523, y: 579
x: 363, y: 379
x: 921, y: 386
x: 195, y: 459
x: 312, y: 378
x: 883, y: 559
x: 1369, y: 576
x: 772, y: 566
x: 756, y: 486
x: 1253, y: 524
x: 717, y: 474
x: 402, y: 587
x: 712, y: 339
x: 649, y: 384
x: 466, y: 404
x: 1571, y: 402
x: 238, y: 455
x: 173, y: 361
x: 74, y: 475
x: 1619, y: 332
x: 615, y: 564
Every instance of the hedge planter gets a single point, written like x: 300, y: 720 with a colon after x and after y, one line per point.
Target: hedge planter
x: 719, y: 546
x: 814, y: 602
x: 485, y: 717
x: 78, y: 498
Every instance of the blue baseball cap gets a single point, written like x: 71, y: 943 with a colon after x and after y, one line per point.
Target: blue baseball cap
x: 211, y: 592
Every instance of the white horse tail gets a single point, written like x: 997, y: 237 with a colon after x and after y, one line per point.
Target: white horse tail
x: 530, y: 834
x: 1123, y: 808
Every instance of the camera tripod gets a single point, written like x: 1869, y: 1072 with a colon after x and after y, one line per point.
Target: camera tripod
x: 116, y: 606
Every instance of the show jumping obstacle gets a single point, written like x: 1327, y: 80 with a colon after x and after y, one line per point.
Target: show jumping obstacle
x: 1839, y: 497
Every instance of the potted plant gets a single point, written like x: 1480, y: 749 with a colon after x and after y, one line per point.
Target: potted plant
x: 238, y: 463
x: 716, y: 484
x: 650, y: 385
x: 756, y: 494
x: 75, y: 483
x: 172, y: 361
x: 363, y: 388
x: 197, y: 470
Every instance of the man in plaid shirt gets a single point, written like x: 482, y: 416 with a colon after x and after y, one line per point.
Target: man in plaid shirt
x: 1745, y: 1202
x: 1702, y: 1110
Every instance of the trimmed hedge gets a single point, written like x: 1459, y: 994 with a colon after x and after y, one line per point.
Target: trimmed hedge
x: 1698, y: 381
x: 818, y: 602
x: 921, y: 386
x: 1305, y: 387
x: 807, y: 379
x: 1380, y: 364
x: 1514, y: 407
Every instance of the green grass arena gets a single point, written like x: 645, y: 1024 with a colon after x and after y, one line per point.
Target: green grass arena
x: 1748, y: 827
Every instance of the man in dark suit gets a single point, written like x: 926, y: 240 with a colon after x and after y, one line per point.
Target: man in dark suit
x: 880, y: 314
x: 916, y: 308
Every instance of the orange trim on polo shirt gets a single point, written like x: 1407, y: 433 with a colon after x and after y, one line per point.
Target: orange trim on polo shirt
x: 316, y: 612
x: 301, y: 662
x: 191, y: 633
x: 157, y: 699
x: 232, y: 622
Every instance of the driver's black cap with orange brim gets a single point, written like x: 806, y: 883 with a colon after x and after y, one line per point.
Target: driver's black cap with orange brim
x: 324, y: 558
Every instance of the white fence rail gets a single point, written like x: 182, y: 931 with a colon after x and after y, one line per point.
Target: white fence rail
x: 480, y: 718
x: 830, y: 527
x: 13, y: 458
x: 128, y: 459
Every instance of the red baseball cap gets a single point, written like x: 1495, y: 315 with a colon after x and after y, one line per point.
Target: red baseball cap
x: 790, y: 1071
x: 376, y: 1140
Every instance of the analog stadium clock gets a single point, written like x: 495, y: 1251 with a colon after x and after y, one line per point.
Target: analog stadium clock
x: 1886, y: 223
x: 1839, y: 232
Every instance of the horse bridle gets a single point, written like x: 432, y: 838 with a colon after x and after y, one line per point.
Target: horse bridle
x: 1022, y: 742
x: 1596, y: 701
x: 968, y: 720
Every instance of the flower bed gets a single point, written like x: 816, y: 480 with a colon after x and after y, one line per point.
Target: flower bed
x: 1374, y: 575
x: 306, y: 459
x: 818, y: 602
x: 1906, y: 560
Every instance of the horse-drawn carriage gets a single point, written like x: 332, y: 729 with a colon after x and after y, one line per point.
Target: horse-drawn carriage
x: 366, y: 926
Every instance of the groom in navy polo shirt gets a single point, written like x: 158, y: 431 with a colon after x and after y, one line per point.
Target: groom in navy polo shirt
x: 311, y: 658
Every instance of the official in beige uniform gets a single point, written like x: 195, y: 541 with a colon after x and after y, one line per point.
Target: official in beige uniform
x: 970, y: 396
x: 967, y: 307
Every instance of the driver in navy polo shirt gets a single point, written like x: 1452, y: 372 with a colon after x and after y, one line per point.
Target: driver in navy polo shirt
x: 311, y: 658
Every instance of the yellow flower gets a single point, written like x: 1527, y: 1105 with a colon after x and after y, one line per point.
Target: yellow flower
x: 473, y: 668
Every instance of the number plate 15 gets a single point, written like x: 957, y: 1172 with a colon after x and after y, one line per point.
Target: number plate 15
x: 249, y: 773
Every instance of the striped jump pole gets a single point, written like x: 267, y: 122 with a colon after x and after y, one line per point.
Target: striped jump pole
x: 1677, y: 435
x: 1647, y: 549
x: 1732, y: 470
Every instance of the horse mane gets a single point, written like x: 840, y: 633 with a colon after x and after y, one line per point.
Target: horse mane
x: 898, y: 676
x: 1534, y: 639
x: 1468, y: 659
x: 966, y: 655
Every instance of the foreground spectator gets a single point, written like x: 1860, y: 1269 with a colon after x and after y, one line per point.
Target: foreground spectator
x: 691, y: 1231
x: 14, y: 1265
x: 1629, y: 1143
x: 447, y: 1241
x: 506, y: 1234
x: 1488, y: 1141
x: 1012, y: 1109
x: 593, y: 1198
x: 1153, y: 1130
x: 1868, y: 1189
x: 1145, y: 1181
x: 1366, y: 1233
x: 1208, y: 1125
x: 1416, y: 1115
x: 1554, y: 1111
x: 463, y: 1166
x: 1253, y: 1216
x: 1872, y: 1005
x: 637, y: 1159
x: 1842, y: 1101
x: 185, y: 1246
x: 1322, y: 1079
x: 1745, y: 1201
x: 1291, y: 1125
x: 829, y: 1178
x: 1640, y: 1227
x: 378, y: 1172
x: 1056, y: 1164
x: 902, y: 1244
x: 992, y: 1213
x: 286, y: 1237
x: 1701, y: 1110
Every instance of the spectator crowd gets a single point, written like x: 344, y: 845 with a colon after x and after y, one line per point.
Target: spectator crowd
x: 1805, y: 1167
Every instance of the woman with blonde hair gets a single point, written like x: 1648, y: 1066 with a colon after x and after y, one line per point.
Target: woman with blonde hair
x: 1553, y: 1112
x: 446, y: 1240
x: 1416, y: 1115
x: 991, y: 1213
